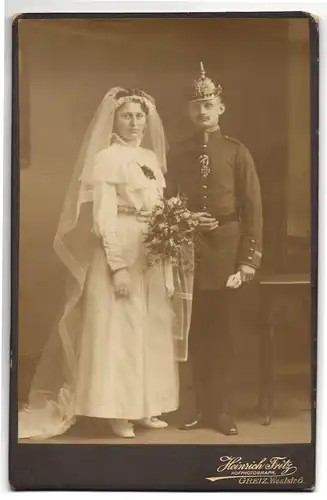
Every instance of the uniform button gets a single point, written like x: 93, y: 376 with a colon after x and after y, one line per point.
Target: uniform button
x: 250, y: 258
x: 205, y: 208
x: 205, y: 197
x: 204, y: 186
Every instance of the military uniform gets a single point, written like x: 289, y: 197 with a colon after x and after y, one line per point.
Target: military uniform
x: 228, y: 189
x: 217, y: 175
x: 230, y: 192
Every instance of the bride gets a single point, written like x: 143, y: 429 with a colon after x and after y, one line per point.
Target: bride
x: 112, y: 353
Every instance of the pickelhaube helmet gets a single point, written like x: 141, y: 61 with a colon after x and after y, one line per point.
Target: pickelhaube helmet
x: 204, y: 88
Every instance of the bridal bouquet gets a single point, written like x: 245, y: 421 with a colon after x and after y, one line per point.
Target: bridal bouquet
x: 171, y: 227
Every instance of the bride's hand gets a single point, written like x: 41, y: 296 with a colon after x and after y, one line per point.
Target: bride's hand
x: 122, y: 283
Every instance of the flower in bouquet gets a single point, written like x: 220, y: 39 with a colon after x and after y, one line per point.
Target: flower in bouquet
x: 171, y: 227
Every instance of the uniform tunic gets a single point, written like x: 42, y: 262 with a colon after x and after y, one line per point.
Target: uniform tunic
x: 231, y: 187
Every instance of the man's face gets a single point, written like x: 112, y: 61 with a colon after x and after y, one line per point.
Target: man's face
x: 205, y: 114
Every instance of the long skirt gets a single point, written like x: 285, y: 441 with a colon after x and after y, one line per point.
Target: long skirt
x: 127, y: 366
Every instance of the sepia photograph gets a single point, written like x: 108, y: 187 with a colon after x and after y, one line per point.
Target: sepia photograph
x: 166, y: 269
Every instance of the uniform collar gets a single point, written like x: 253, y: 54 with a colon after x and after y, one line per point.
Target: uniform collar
x: 207, y: 136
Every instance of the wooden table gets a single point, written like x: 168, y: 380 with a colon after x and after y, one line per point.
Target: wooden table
x: 272, y: 289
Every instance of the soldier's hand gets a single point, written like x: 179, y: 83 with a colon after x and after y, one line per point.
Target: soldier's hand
x: 247, y: 273
x: 205, y: 221
x: 234, y: 280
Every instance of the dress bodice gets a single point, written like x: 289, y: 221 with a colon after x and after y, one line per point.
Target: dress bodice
x: 135, y: 173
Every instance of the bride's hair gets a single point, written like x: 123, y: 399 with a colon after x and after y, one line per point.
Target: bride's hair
x: 134, y: 95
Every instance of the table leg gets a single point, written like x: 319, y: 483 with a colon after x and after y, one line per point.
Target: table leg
x: 267, y: 335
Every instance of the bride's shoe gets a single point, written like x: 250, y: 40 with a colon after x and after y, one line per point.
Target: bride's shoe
x: 152, y: 423
x: 122, y: 428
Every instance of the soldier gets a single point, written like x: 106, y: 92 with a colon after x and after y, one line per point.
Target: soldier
x: 217, y: 175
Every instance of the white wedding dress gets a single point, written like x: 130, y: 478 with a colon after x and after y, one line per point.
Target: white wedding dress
x: 126, y: 367
x: 108, y: 356
x: 126, y: 363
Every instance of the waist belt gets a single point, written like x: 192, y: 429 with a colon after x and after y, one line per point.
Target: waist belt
x: 224, y: 219
x: 130, y: 210
x: 127, y: 209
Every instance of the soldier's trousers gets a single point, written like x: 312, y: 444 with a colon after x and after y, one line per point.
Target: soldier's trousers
x: 211, y: 348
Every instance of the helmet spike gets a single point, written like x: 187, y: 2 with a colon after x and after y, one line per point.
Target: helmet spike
x: 202, y: 70
x: 204, y: 88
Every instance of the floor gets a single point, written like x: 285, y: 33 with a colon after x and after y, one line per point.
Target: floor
x: 282, y: 430
x: 291, y: 423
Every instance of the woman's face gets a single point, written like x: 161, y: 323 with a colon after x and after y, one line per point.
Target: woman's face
x: 130, y: 121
